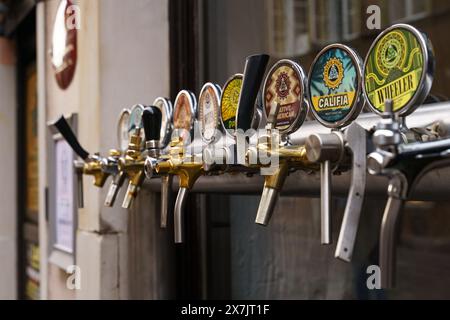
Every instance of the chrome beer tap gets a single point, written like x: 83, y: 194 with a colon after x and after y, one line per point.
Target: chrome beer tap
x: 335, y: 96
x: 91, y: 164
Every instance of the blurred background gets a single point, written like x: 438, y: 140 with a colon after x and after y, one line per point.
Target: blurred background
x: 89, y: 59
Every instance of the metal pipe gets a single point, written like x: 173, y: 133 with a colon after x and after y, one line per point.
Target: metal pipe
x: 422, y: 117
x: 325, y: 204
x: 178, y: 221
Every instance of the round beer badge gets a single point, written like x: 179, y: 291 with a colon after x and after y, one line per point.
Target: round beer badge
x: 123, y: 135
x: 229, y: 102
x: 334, y: 86
x: 135, y: 121
x: 208, y: 110
x: 165, y: 106
x: 399, y: 66
x: 284, y: 85
x: 184, y: 112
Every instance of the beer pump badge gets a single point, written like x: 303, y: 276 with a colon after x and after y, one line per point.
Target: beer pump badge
x: 396, y: 68
x: 123, y: 135
x: 184, y: 113
x: 135, y: 121
x: 284, y: 85
x: 165, y: 106
x: 208, y: 110
x: 229, y: 102
x: 334, y: 86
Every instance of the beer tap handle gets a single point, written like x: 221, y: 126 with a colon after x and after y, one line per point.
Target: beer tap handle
x: 151, y: 119
x: 68, y: 134
x: 356, y: 140
x: 255, y: 67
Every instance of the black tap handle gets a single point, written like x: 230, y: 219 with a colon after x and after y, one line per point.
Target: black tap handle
x: 66, y: 131
x: 255, y: 67
x: 151, y: 118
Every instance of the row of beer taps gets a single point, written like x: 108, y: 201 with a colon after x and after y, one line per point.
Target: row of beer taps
x: 245, y: 128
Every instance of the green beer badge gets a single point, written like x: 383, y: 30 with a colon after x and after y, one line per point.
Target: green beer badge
x: 334, y: 86
x: 399, y: 67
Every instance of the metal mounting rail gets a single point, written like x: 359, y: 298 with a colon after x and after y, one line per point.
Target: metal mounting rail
x: 433, y: 186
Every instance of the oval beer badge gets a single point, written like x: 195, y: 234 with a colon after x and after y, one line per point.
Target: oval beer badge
x: 165, y: 106
x: 334, y: 86
x: 208, y: 110
x: 184, y: 113
x: 398, y: 66
x: 285, y: 85
x: 229, y: 102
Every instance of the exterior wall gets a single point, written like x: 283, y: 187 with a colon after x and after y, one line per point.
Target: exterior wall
x: 123, y: 59
x: 8, y: 212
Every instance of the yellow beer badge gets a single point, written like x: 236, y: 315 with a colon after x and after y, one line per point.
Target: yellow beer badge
x: 396, y: 68
x: 333, y: 73
x: 229, y: 102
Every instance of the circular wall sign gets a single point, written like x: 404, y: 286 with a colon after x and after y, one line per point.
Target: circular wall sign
x: 208, y: 110
x: 334, y: 86
x: 399, y: 66
x: 165, y: 106
x: 123, y: 135
x: 64, y: 44
x: 285, y: 85
x: 229, y: 102
x: 184, y: 113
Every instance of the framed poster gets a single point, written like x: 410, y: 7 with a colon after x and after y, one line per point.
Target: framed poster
x: 62, y: 195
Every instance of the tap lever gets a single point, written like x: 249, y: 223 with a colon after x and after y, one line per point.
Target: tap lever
x: 356, y: 137
x: 66, y: 131
x: 151, y: 118
x: 255, y: 67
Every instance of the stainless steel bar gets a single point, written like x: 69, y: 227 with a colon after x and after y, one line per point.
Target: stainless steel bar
x: 179, y: 215
x: 325, y: 208
x: 423, y: 116
x: 433, y: 186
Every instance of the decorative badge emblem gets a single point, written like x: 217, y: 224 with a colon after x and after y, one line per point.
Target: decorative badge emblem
x: 334, y: 86
x: 395, y: 67
x: 208, y: 110
x: 229, y: 102
x: 183, y: 116
x: 284, y: 85
x: 333, y: 73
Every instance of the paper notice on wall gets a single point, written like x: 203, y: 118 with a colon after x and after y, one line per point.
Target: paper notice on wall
x: 64, y: 196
